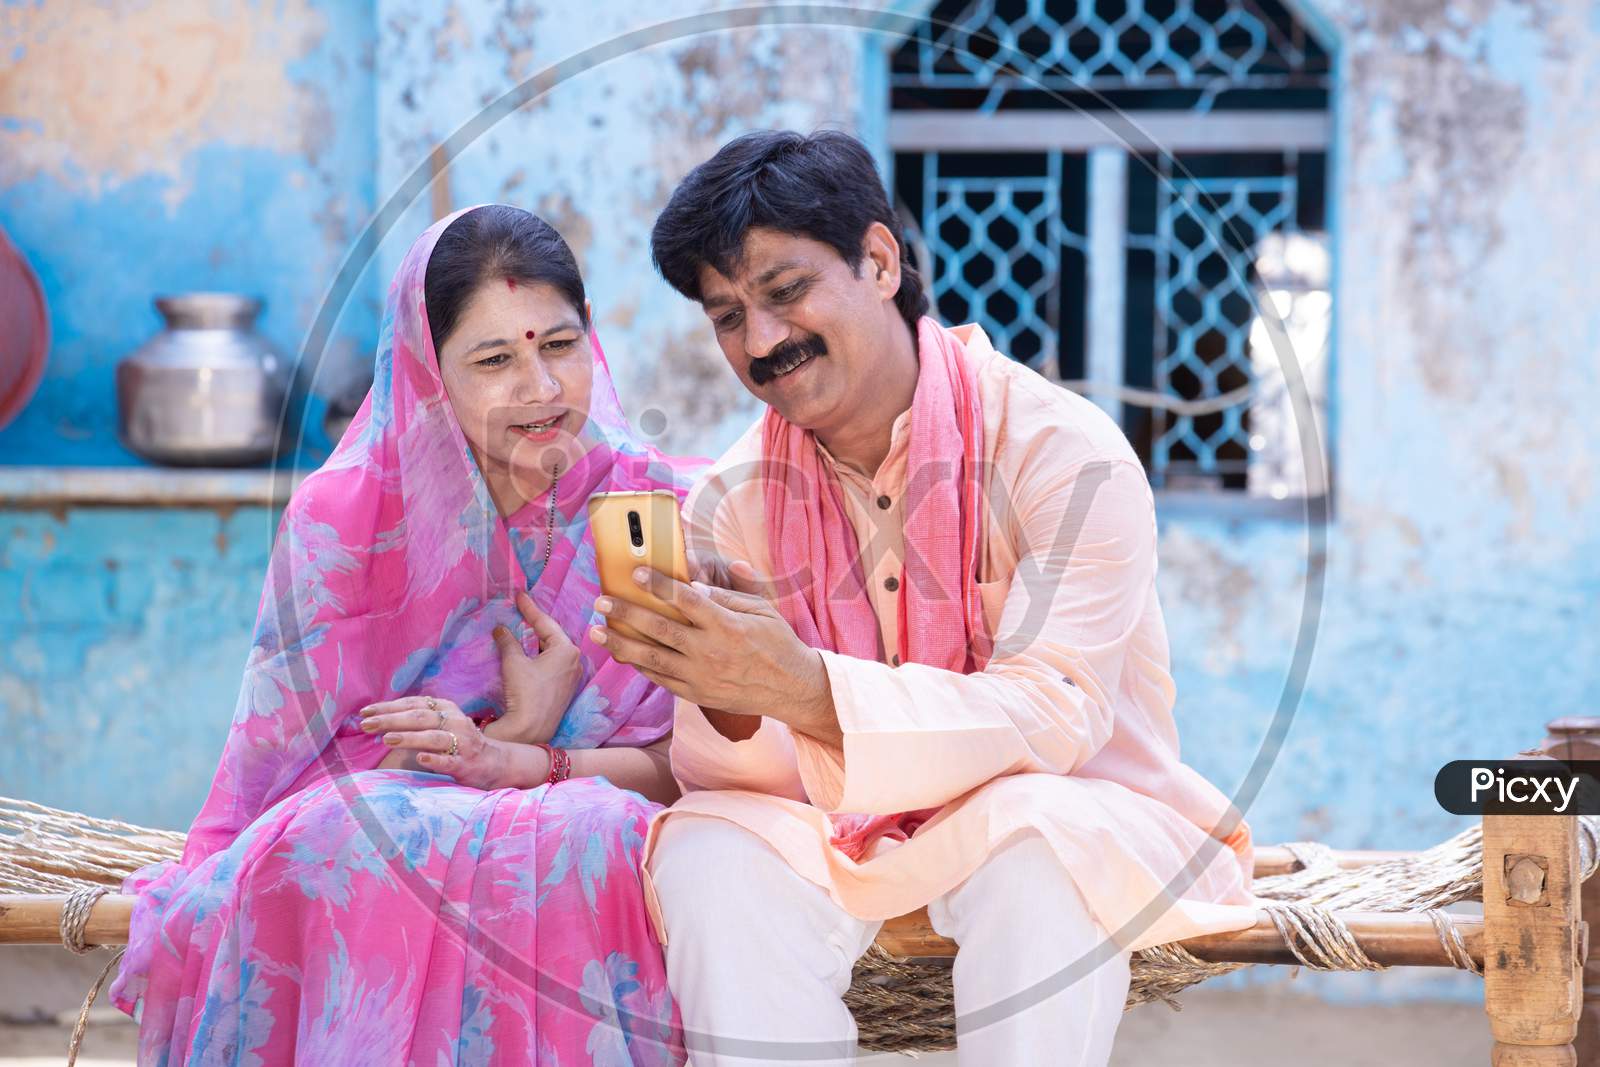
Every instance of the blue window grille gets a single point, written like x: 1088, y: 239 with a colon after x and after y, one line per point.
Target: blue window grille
x: 1205, y: 306
x: 1124, y: 257
x: 1193, y: 54
x: 1001, y: 242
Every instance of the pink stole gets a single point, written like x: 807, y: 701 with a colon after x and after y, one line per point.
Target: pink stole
x: 817, y: 563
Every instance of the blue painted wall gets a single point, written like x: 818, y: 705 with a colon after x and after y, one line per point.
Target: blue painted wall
x: 122, y: 639
x: 1462, y: 601
x: 152, y: 151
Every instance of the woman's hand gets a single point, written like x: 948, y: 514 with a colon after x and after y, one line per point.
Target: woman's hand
x: 539, y: 689
x: 432, y: 734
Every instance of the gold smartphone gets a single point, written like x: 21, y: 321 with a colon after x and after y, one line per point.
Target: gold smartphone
x: 631, y: 529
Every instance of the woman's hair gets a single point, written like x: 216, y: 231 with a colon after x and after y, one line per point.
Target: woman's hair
x: 494, y: 243
x: 824, y: 187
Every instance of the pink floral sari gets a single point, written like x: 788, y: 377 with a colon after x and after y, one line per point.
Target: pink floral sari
x: 329, y: 912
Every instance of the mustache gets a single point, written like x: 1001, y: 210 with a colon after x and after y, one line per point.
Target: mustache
x: 761, y: 369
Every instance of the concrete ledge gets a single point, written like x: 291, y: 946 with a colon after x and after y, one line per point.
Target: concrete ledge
x: 1231, y: 506
x: 56, y: 487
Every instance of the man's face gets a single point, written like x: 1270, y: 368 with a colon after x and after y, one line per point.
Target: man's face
x: 799, y: 327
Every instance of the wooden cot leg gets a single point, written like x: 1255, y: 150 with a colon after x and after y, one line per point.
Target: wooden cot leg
x: 1578, y: 737
x: 1532, y: 939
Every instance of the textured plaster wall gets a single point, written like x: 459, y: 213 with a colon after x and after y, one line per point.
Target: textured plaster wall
x: 598, y: 154
x: 148, y: 148
x: 1462, y: 589
x: 123, y: 633
x: 1463, y: 583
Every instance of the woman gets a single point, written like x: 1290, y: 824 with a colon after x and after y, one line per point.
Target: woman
x: 400, y: 860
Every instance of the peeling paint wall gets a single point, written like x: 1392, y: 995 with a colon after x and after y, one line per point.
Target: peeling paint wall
x: 153, y: 148
x: 1462, y: 606
x: 598, y: 154
x: 1463, y: 585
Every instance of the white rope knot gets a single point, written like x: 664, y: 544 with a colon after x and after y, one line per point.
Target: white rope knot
x: 75, y: 915
x: 1318, y: 938
x: 1450, y: 938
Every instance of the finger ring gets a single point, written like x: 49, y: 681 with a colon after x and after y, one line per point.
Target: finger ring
x: 455, y: 745
x: 433, y: 705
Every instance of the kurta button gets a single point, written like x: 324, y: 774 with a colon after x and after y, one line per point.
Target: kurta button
x: 895, y: 659
x: 891, y: 583
x: 1069, y: 681
x: 884, y: 502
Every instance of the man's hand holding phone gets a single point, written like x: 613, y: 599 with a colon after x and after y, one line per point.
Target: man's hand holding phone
x: 733, y: 652
x: 726, y: 649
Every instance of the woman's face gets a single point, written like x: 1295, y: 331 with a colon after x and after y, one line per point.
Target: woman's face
x: 518, y: 369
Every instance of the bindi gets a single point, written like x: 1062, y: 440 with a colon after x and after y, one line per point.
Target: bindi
x: 529, y: 335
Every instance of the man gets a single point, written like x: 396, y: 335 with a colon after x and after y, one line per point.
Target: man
x: 941, y: 679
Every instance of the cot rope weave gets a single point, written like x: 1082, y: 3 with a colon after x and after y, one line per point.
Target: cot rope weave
x: 1312, y: 855
x: 899, y: 1004
x: 887, y: 990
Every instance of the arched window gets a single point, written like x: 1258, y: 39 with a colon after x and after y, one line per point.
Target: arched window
x: 1113, y: 188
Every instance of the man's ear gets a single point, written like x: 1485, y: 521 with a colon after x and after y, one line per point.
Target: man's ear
x: 882, y: 259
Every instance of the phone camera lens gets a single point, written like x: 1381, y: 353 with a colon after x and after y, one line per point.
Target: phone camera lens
x: 635, y: 530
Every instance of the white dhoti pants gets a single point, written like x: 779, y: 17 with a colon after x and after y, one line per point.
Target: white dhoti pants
x: 758, y: 957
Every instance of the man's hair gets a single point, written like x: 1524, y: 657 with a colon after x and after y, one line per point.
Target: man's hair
x: 824, y: 187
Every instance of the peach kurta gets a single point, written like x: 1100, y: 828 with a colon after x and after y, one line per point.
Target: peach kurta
x: 1068, y: 731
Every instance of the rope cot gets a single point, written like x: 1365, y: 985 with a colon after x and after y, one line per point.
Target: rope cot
x: 47, y: 850
x: 904, y: 1005
x: 1325, y: 914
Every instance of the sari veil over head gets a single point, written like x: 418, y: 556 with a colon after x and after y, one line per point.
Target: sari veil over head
x: 390, y: 570
x: 392, y: 567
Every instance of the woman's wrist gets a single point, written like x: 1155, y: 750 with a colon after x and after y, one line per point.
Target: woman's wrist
x: 514, y: 729
x: 530, y: 766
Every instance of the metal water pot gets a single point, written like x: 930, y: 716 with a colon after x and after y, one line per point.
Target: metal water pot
x: 205, y: 391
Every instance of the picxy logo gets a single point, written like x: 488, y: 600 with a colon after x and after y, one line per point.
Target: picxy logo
x: 1519, y: 787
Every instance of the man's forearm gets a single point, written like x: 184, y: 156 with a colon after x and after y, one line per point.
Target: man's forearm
x: 811, y: 712
x: 814, y: 714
